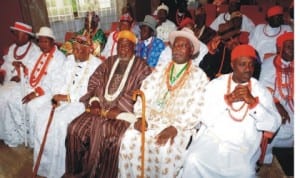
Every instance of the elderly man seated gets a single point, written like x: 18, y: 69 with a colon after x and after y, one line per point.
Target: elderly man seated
x: 174, y: 100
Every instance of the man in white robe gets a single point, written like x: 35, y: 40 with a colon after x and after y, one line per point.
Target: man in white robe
x: 263, y: 37
x: 236, y: 111
x: 79, y: 67
x: 173, y: 95
x: 233, y: 11
x: 110, y: 48
x: 15, y: 68
x: 45, y: 78
x: 277, y: 75
x: 165, y: 26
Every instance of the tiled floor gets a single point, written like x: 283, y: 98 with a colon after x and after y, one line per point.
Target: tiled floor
x: 17, y: 163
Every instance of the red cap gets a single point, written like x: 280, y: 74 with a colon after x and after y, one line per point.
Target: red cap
x: 186, y: 21
x: 274, y: 10
x: 284, y: 37
x: 243, y: 51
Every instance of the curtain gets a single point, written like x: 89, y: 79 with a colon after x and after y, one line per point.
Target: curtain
x: 68, y: 15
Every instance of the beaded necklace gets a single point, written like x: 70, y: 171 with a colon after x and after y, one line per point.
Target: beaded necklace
x: 231, y: 108
x: 19, y: 57
x: 37, y: 72
x: 115, y: 36
x: 173, y: 77
x: 288, y: 74
x: 172, y: 82
x: 265, y: 32
x: 113, y: 96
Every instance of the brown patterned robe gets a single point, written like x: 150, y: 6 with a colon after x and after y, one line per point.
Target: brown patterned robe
x: 92, y: 141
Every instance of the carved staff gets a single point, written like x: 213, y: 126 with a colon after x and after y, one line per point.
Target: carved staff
x: 141, y: 93
x: 38, y: 160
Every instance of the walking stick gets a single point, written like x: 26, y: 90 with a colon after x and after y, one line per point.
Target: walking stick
x: 38, y: 160
x: 135, y: 93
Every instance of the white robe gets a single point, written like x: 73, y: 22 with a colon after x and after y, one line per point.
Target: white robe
x: 247, y: 23
x: 52, y: 164
x: 285, y: 135
x: 181, y: 110
x: 263, y: 43
x: 9, y: 86
x: 110, y: 48
x: 225, y: 147
x: 18, y: 118
x: 163, y: 31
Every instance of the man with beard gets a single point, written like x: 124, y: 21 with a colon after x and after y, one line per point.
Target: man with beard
x: 93, y: 138
x: 263, y: 37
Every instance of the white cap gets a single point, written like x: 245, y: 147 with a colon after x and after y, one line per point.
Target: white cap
x: 164, y: 7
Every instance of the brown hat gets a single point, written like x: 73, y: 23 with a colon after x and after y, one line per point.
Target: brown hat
x: 228, y: 30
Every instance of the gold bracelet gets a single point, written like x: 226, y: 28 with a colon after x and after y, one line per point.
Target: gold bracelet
x: 68, y: 99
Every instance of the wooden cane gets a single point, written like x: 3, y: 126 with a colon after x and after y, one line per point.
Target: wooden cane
x: 135, y: 93
x: 38, y: 160
x: 263, y: 145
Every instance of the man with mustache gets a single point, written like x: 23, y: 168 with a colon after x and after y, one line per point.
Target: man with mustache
x: 237, y: 109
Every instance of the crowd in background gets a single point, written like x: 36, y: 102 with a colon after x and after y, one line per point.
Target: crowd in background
x: 211, y: 92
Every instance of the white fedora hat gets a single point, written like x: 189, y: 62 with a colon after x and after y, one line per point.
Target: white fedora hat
x: 19, y: 26
x: 187, y: 33
x: 45, y: 31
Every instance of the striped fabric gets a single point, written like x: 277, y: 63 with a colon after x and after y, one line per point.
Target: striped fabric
x: 93, y: 142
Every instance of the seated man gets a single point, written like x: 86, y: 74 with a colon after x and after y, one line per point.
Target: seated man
x: 93, y: 138
x: 278, y: 76
x: 217, y: 61
x: 15, y: 67
x: 196, y: 58
x: 165, y: 26
x: 264, y: 36
x: 77, y: 70
x: 237, y: 109
x: 150, y: 47
x: 93, y: 34
x: 110, y: 48
x: 173, y: 95
x: 246, y: 24
x: 44, y: 80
